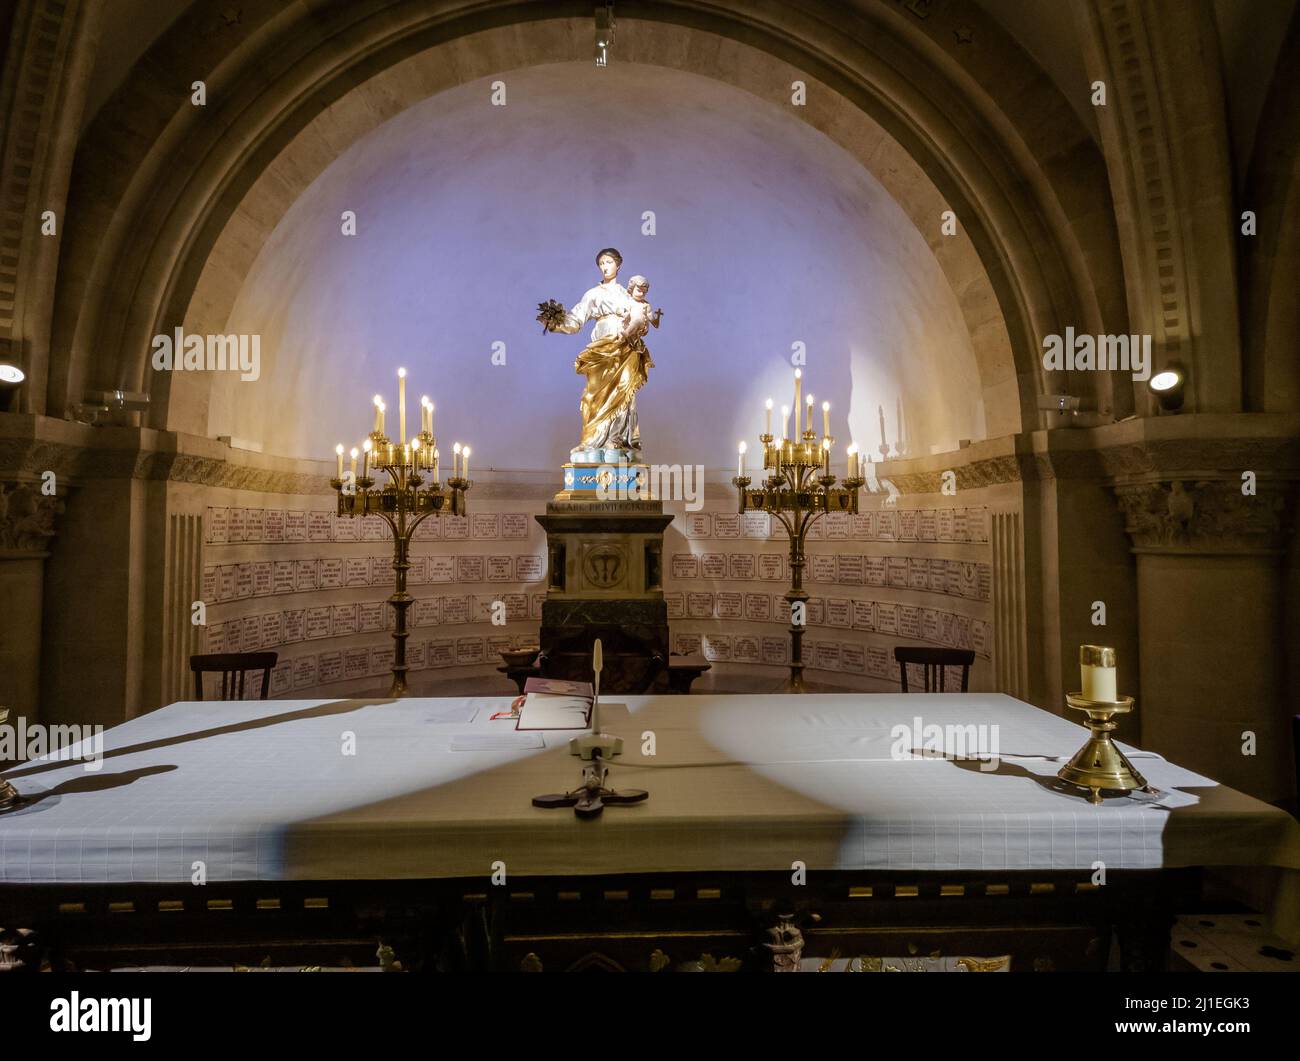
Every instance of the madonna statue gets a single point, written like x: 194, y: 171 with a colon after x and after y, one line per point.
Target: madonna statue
x: 615, y: 362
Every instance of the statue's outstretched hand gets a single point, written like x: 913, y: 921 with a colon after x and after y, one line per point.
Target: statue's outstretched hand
x: 551, y: 314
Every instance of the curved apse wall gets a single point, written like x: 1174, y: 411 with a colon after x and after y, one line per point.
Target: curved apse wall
x: 469, y: 214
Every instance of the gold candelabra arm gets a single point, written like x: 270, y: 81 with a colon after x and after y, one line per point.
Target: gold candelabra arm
x: 741, y: 483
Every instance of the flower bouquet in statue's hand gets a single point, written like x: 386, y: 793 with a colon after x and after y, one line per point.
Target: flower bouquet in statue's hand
x: 551, y: 314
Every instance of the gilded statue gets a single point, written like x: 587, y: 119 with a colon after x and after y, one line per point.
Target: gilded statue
x: 615, y: 361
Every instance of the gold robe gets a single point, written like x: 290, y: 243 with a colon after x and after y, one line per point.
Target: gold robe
x: 616, y: 368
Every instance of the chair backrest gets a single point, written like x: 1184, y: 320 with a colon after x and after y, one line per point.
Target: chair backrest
x: 934, y: 663
x: 233, y: 667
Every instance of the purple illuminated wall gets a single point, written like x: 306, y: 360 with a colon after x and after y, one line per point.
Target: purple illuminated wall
x: 469, y: 214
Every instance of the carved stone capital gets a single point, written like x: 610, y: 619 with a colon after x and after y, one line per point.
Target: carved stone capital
x: 1205, y: 516
x: 26, y: 518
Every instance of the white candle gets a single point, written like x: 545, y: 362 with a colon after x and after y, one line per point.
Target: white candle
x: 402, y: 402
x: 435, y: 464
x: 768, y: 404
x: 740, y: 466
x: 431, y: 418
x: 853, y: 460
x: 379, y: 415
x: 826, y: 456
x: 338, y: 450
x: 415, y: 451
x: 1097, y: 668
x: 826, y: 418
x: 424, y: 414
x: 798, y: 386
x: 354, y: 465
x: 365, y: 458
x: 455, y: 461
x: 785, y: 421
x: 464, y: 464
x: 807, y: 420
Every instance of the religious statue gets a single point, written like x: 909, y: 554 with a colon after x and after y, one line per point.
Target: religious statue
x: 615, y: 362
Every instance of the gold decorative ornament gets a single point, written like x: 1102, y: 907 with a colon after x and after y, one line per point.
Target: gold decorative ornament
x: 1099, y: 766
x: 798, y: 489
x: 405, y: 502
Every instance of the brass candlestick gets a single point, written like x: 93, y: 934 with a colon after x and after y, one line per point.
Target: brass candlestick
x: 798, y: 491
x: 1099, y: 766
x: 405, y: 503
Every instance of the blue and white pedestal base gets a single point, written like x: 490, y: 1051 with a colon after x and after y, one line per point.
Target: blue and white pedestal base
x: 605, y: 481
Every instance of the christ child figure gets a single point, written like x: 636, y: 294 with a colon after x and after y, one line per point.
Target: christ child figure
x: 637, y: 319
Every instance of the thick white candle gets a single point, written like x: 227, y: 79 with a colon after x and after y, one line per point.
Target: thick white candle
x: 768, y: 405
x: 379, y: 416
x: 740, y: 464
x: 338, y: 450
x: 365, y: 458
x: 853, y: 460
x: 1097, y: 670
x: 401, y: 403
x: 424, y: 414
x: 785, y: 421
x: 455, y: 461
x: 464, y: 464
x: 354, y: 465
x: 798, y: 386
x: 826, y: 418
x: 435, y: 464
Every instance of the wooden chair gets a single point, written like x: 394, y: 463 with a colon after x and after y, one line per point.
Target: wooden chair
x: 934, y: 662
x: 233, y: 666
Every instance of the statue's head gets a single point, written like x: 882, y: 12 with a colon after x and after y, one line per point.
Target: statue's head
x: 638, y: 287
x: 608, y: 262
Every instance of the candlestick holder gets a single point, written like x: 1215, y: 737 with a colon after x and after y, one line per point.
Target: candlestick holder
x: 1099, y: 766
x: 798, y: 490
x: 404, y: 503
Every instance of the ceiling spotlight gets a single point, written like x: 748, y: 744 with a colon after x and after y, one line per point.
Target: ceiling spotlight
x: 1167, y: 386
x: 11, y: 378
x: 604, y: 32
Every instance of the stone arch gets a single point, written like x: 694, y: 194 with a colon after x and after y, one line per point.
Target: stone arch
x: 1271, y: 260
x: 165, y: 214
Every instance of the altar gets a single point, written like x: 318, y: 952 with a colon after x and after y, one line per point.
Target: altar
x: 778, y: 828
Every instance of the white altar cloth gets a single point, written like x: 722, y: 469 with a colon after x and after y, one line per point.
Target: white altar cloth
x: 267, y: 790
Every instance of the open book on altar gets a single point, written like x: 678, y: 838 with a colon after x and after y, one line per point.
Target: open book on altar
x: 549, y: 703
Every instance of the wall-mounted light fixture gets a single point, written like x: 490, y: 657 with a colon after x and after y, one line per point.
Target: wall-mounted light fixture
x: 1167, y: 386
x: 113, y: 406
x: 11, y: 378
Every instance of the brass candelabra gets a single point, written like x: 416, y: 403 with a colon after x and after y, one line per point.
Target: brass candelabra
x: 798, y: 489
x: 405, y: 502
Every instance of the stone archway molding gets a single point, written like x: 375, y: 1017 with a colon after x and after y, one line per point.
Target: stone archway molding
x: 171, y: 202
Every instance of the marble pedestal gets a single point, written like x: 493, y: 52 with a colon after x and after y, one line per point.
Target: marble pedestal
x: 605, y: 580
